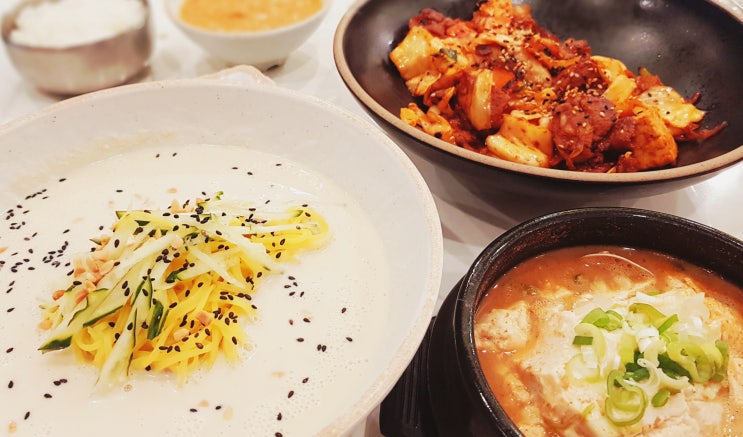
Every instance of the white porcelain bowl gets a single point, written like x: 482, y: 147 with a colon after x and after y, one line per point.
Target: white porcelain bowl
x: 163, y: 122
x: 261, y: 49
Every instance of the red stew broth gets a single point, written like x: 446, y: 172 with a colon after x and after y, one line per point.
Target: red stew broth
x: 565, y: 268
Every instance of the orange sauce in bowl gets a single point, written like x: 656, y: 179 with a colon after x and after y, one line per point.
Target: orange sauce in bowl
x: 246, y: 15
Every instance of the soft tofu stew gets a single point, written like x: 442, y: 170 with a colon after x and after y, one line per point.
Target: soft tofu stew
x: 611, y: 341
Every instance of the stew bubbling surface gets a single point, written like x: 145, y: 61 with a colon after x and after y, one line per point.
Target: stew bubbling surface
x: 559, y: 331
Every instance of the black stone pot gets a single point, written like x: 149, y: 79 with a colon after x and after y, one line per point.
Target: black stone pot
x: 452, y: 395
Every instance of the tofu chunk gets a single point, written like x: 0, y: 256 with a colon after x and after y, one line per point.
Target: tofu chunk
x: 504, y: 329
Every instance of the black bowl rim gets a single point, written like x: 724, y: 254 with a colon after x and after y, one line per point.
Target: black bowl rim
x: 470, y: 286
x: 697, y: 169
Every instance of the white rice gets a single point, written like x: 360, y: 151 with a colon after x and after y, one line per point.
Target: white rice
x: 66, y: 23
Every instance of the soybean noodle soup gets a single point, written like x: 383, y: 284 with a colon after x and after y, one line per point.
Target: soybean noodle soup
x: 613, y: 341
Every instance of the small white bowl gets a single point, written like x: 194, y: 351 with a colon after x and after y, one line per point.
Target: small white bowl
x: 261, y: 49
x: 82, y: 68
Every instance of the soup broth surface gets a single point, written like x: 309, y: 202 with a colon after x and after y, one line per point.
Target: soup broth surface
x: 315, y: 331
x: 247, y: 15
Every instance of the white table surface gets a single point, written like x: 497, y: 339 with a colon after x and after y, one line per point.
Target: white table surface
x: 469, y: 221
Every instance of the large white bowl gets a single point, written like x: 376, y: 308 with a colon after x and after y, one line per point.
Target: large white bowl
x: 40, y: 149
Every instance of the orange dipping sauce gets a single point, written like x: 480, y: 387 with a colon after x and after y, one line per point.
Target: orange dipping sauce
x: 246, y: 15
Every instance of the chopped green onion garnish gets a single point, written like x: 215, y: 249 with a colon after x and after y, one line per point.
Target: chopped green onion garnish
x: 670, y: 321
x: 609, y: 320
x: 654, y: 316
x: 626, y: 403
x: 638, y: 374
x: 671, y: 368
x: 661, y: 398
x: 582, y: 340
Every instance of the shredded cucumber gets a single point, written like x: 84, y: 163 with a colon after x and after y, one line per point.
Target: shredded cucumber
x: 149, y: 253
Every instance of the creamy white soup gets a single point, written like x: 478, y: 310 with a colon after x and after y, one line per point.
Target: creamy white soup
x: 610, y: 341
x: 314, y: 335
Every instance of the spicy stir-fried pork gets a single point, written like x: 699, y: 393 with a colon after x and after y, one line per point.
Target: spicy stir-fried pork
x: 501, y: 85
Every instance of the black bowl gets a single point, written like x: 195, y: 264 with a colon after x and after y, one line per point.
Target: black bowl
x: 460, y: 400
x: 693, y: 45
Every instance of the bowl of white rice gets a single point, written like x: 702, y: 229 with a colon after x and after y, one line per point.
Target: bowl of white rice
x: 70, y: 47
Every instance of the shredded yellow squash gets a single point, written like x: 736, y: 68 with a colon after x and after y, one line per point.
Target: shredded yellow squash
x: 170, y: 290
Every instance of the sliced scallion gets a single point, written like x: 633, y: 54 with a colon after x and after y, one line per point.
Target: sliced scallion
x: 625, y: 403
x: 582, y: 340
x: 660, y: 398
x: 670, y: 321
